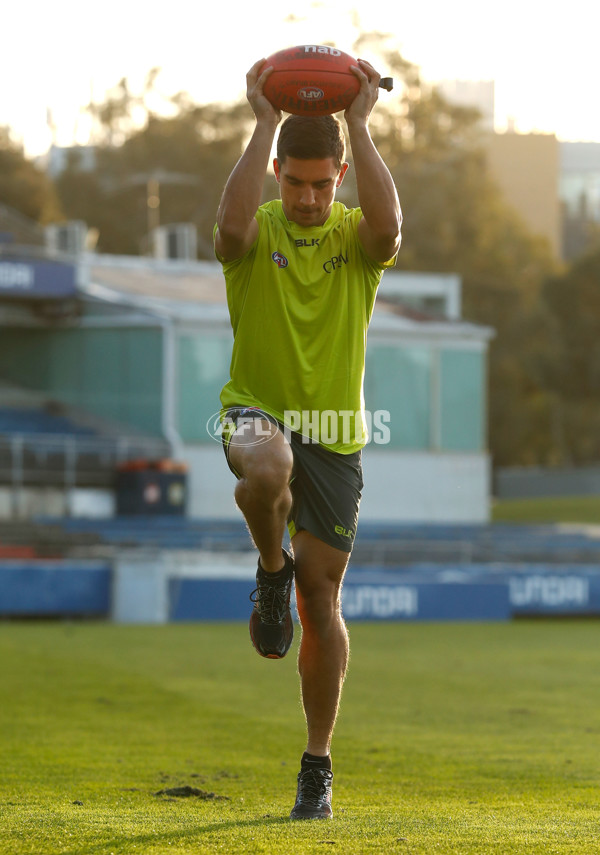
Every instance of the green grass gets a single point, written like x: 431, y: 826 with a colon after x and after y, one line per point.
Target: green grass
x: 561, y: 509
x: 453, y: 738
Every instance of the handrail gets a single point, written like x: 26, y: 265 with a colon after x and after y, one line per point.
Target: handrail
x: 66, y: 460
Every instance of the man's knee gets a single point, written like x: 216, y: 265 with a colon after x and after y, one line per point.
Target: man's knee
x: 264, y: 481
x: 319, y: 606
x: 320, y: 571
x: 265, y: 467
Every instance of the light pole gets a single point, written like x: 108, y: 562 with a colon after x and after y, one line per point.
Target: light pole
x: 153, y: 203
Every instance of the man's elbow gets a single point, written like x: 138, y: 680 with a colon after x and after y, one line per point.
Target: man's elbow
x: 227, y: 244
x: 232, y: 241
x: 230, y: 228
x: 389, y: 243
x: 381, y: 242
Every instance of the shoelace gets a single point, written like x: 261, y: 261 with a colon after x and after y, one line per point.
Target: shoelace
x: 313, y: 785
x: 272, y: 601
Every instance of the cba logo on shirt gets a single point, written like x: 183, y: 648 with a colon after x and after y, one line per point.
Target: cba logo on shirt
x: 280, y: 259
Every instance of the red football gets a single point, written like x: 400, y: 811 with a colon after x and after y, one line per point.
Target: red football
x: 311, y: 80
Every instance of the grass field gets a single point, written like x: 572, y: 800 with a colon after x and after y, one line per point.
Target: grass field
x: 453, y: 738
x: 565, y: 509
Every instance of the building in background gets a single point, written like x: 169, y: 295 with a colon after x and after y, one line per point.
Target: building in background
x: 146, y: 343
x: 580, y: 195
x: 553, y: 185
x: 57, y: 158
x: 527, y: 169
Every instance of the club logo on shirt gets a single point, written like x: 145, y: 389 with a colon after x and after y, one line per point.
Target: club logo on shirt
x: 280, y: 259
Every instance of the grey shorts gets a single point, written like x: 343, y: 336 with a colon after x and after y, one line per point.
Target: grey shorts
x: 326, y: 486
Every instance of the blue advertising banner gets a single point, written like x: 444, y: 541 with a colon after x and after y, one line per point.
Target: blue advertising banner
x: 374, y: 599
x: 36, y: 279
x: 474, y: 592
x: 533, y: 589
x: 367, y: 597
x: 419, y: 592
x: 546, y: 590
x: 48, y: 588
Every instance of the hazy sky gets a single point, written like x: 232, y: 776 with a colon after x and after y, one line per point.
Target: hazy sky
x: 541, y: 56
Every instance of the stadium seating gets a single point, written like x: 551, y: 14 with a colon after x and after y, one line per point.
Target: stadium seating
x: 376, y: 544
x: 53, y: 445
x: 163, y: 532
x: 37, y: 420
x: 404, y: 543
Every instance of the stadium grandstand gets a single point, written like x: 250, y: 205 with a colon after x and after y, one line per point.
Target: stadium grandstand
x: 143, y: 343
x: 16, y: 228
x: 114, y: 497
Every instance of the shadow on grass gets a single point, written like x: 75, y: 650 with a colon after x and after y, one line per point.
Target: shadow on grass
x: 190, y: 834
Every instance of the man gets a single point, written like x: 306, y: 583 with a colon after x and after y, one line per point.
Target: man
x: 302, y: 274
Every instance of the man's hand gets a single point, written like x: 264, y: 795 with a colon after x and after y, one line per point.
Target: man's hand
x: 255, y: 80
x: 361, y: 106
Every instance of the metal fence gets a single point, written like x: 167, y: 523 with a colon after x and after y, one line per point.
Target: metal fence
x: 69, y: 460
x: 520, y: 482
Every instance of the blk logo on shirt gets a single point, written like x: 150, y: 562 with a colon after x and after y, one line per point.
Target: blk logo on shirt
x: 305, y: 242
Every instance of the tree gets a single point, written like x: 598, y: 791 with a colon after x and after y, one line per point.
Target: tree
x: 187, y: 155
x: 572, y: 304
x: 24, y: 187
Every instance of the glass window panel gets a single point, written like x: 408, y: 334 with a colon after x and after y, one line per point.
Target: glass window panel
x: 462, y: 400
x: 398, y: 380
x: 203, y: 369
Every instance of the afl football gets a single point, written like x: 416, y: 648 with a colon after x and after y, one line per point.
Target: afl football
x: 311, y: 80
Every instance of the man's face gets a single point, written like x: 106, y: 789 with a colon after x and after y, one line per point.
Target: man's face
x: 307, y: 188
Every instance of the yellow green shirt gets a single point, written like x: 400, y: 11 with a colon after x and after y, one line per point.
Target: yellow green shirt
x: 300, y: 302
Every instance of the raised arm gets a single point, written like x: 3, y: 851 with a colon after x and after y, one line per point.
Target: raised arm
x: 379, y: 228
x: 236, y: 226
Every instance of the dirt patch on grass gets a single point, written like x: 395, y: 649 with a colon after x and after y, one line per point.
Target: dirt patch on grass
x: 187, y: 792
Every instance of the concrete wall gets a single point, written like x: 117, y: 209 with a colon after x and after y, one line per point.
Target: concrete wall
x: 422, y: 487
x: 399, y: 486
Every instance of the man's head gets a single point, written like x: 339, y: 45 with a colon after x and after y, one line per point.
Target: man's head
x: 312, y: 138
x: 310, y: 167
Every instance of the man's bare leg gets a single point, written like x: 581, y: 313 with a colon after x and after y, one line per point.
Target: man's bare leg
x: 262, y: 456
x: 322, y: 663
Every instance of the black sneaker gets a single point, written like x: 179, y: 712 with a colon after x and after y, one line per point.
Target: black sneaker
x: 271, y: 624
x: 313, y: 799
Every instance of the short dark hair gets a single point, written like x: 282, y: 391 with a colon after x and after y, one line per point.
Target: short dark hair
x: 312, y: 138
